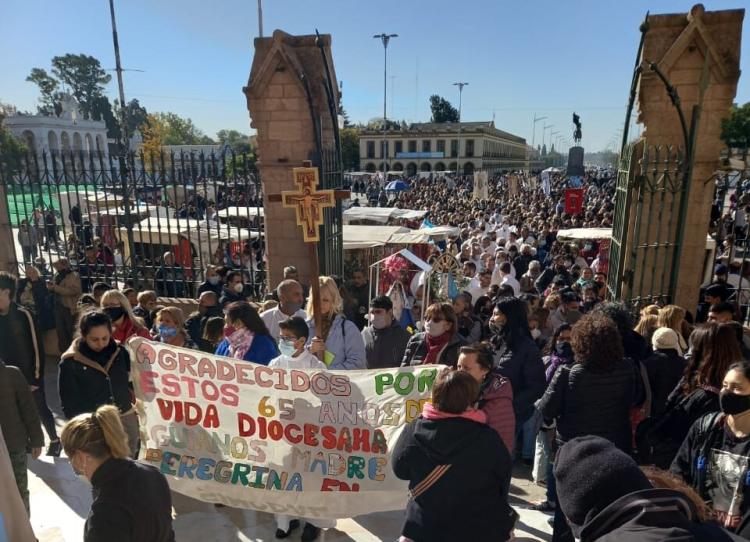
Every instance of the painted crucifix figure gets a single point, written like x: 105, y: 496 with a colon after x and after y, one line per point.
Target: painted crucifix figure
x: 308, y: 203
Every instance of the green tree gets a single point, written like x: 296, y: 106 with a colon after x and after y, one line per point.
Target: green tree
x: 181, y: 131
x: 12, y: 150
x: 49, y: 96
x: 135, y: 115
x: 84, y: 76
x: 442, y: 110
x: 350, y: 147
x: 235, y: 140
x: 735, y: 130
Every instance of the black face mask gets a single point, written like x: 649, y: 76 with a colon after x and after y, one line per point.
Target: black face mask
x: 114, y: 313
x: 564, y: 350
x: 731, y: 403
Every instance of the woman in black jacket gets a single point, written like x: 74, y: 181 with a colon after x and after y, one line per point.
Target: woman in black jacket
x: 439, y: 342
x: 132, y: 501
x: 518, y: 359
x: 470, y: 468
x: 594, y: 396
x: 664, y: 367
x: 714, y: 457
x: 94, y: 371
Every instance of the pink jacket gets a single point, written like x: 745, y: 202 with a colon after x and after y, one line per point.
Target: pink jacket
x: 496, y: 401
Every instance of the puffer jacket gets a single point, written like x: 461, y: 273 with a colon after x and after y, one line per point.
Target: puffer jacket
x: 91, y: 379
x: 584, y: 402
x: 416, y: 350
x: 496, y: 401
x: 522, y: 365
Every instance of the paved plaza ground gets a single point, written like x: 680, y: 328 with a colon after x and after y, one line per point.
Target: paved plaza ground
x: 60, y: 503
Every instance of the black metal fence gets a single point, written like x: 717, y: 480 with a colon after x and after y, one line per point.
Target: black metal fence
x: 119, y: 220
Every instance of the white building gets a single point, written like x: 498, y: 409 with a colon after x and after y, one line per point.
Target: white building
x: 425, y: 147
x: 71, y: 131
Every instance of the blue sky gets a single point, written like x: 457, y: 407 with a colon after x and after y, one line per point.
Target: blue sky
x: 520, y: 58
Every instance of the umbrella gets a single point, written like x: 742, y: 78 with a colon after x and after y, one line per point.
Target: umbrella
x: 396, y: 186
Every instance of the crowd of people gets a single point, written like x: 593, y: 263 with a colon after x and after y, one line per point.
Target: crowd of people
x: 637, y: 424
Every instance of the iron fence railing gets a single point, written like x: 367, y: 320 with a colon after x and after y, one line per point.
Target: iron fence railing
x: 117, y: 219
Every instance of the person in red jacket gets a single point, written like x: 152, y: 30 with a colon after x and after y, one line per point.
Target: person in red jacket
x: 495, y: 392
x: 125, y: 324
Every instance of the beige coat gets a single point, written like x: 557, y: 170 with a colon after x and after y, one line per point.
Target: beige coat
x: 68, y: 291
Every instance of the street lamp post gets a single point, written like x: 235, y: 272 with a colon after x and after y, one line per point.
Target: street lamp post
x: 533, y: 128
x: 460, y: 86
x: 385, y: 38
x: 544, y: 129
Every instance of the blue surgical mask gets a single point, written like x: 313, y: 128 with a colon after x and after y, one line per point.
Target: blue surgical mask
x: 166, y: 332
x: 287, y: 348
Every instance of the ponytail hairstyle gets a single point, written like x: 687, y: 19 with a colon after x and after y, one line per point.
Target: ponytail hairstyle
x: 99, y: 434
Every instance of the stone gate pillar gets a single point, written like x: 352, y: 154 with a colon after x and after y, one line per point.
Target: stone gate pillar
x: 288, y: 105
x: 8, y: 261
x: 700, y: 46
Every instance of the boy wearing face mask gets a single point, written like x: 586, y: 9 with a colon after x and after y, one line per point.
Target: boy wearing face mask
x: 293, y: 335
x: 385, y: 340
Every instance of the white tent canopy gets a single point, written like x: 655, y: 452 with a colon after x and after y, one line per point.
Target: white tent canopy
x: 243, y: 212
x: 369, y: 236
x: 585, y: 233
x: 381, y: 214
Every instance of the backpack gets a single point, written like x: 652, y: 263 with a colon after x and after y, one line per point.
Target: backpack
x: 655, y: 445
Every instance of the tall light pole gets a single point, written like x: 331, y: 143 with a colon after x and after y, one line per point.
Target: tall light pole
x: 260, y: 18
x: 533, y: 129
x: 460, y: 85
x: 124, y: 135
x: 385, y: 38
x: 550, y: 136
x: 544, y: 129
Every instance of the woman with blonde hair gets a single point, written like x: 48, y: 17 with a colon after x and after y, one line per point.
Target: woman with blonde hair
x: 338, y: 343
x: 646, y: 326
x: 125, y: 324
x: 170, y: 328
x: 673, y: 317
x: 132, y: 500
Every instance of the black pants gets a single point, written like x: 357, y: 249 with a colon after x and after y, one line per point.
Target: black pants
x: 45, y: 414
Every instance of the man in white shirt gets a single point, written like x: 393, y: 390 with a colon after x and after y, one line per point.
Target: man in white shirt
x: 470, y: 272
x: 507, y: 278
x: 290, y: 304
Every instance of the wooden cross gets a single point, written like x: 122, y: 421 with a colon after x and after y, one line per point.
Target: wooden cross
x: 308, y: 204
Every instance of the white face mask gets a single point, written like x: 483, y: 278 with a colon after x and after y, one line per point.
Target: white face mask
x: 434, y: 329
x: 239, y: 287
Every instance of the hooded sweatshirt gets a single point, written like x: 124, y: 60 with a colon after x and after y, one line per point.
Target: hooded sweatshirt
x: 470, y: 500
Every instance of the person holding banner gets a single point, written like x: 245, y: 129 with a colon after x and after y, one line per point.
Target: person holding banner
x: 457, y: 466
x: 95, y: 371
x: 170, y: 328
x: 249, y: 339
x: 132, y: 500
x: 339, y: 343
x: 293, y: 335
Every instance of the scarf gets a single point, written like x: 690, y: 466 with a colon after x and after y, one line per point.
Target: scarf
x: 239, y: 343
x: 434, y: 346
x: 429, y: 412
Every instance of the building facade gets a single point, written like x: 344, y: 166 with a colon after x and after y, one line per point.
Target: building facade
x: 433, y: 147
x: 69, y: 132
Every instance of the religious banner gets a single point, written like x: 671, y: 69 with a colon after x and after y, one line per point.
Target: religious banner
x: 308, y: 203
x: 573, y: 201
x: 481, y: 185
x: 307, y: 443
x: 513, y: 188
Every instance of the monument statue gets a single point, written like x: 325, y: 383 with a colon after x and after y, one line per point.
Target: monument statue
x: 577, y: 134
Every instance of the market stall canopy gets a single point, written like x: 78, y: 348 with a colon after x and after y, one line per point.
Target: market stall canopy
x: 243, y: 212
x: 369, y: 236
x: 381, y: 214
x: 551, y: 170
x: 424, y: 235
x: 584, y: 233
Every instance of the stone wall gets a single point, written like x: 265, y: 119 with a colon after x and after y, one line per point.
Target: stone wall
x: 699, y: 54
x: 277, y: 99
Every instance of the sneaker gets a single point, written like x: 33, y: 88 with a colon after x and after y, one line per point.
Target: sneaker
x: 544, y: 506
x: 54, y: 448
x: 310, y: 532
x: 280, y: 533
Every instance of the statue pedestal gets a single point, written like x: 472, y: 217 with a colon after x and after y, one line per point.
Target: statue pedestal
x: 575, y: 162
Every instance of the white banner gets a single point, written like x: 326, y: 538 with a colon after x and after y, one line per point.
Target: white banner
x: 307, y: 443
x: 481, y: 185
